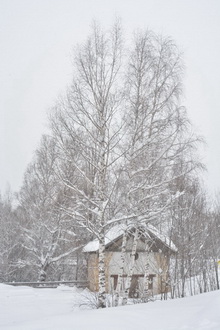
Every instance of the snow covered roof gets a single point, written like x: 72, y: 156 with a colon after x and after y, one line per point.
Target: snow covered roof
x: 163, y: 238
x: 111, y: 235
x: 118, y: 230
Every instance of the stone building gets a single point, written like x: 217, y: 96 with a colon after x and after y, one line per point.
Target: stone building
x: 159, y: 248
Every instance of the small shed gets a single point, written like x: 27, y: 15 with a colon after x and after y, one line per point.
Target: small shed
x: 159, y: 248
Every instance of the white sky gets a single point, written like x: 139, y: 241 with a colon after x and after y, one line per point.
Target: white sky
x: 36, y: 42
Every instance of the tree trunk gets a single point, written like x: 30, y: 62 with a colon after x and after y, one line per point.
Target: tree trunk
x: 121, y: 272
x: 101, y: 268
x: 146, y: 275
x: 131, y: 268
x: 43, y: 271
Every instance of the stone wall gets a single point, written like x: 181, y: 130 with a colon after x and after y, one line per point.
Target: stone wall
x: 158, y: 269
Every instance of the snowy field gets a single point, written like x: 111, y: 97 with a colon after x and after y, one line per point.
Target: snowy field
x: 26, y: 308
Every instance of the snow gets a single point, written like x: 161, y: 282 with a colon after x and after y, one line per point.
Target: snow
x: 118, y: 230
x: 111, y: 235
x: 24, y: 308
x: 162, y: 237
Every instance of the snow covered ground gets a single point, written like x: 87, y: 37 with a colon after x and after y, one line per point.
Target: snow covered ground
x: 26, y: 308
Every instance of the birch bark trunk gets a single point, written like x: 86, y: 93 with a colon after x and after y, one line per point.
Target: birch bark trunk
x: 101, y: 268
x: 131, y: 268
x: 121, y: 272
x: 145, y: 297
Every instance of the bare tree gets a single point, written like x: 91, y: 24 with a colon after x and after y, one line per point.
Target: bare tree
x: 189, y: 232
x: 89, y: 119
x: 48, y: 234
x: 10, y: 250
x: 157, y: 124
x: 121, y: 129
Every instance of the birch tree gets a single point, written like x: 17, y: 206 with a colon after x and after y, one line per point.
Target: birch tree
x: 156, y: 122
x: 89, y: 118
x: 9, y: 240
x: 131, y: 266
x: 157, y: 129
x: 48, y: 234
x: 189, y: 231
x: 121, y: 128
x: 212, y: 245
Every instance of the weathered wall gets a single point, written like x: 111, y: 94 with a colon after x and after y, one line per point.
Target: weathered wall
x: 93, y: 270
x: 157, y: 262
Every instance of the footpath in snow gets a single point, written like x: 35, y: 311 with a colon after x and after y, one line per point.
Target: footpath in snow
x: 25, y: 308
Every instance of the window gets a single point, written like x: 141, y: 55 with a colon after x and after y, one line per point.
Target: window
x: 114, y: 281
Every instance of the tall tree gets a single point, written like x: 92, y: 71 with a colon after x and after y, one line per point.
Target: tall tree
x: 9, y: 239
x: 157, y: 123
x: 121, y: 128
x: 48, y: 234
x: 89, y: 119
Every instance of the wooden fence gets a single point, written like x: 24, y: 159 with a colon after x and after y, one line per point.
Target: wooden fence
x: 54, y: 284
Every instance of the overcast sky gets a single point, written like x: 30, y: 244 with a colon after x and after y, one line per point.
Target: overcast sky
x: 36, y: 42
